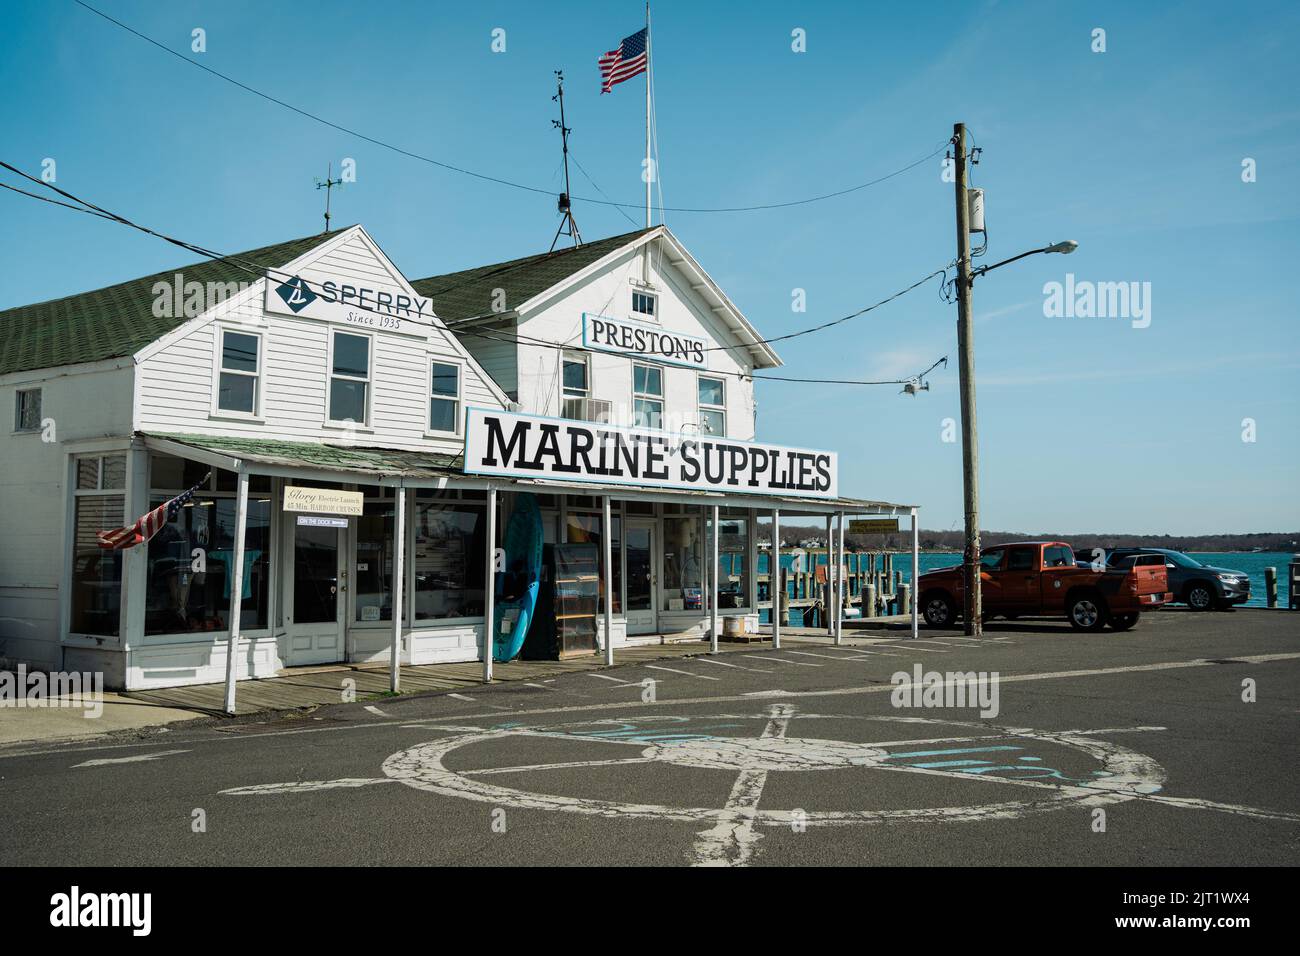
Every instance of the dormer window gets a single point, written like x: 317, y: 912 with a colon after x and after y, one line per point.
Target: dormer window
x: 643, y: 304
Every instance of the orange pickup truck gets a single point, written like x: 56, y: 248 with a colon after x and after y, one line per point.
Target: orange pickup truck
x: 1042, y: 578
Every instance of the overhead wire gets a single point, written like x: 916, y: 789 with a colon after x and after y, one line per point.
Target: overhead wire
x: 261, y: 270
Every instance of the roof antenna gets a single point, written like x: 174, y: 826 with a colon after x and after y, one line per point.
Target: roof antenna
x: 328, y: 185
x: 564, y: 206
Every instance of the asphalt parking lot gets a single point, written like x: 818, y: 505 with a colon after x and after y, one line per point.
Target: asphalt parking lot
x: 1172, y: 744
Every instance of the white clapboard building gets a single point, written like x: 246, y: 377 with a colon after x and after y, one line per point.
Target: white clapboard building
x: 356, y: 443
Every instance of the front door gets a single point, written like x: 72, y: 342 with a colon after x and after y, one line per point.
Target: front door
x: 639, y: 547
x: 314, y: 623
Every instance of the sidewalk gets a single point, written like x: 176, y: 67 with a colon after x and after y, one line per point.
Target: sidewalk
x: 306, y: 688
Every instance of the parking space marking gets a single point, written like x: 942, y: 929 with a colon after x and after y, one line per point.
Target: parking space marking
x: 781, y: 660
x: 752, y: 670
x: 671, y: 670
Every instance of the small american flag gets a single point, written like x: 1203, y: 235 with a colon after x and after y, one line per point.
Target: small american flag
x: 146, y: 527
x: 624, y: 63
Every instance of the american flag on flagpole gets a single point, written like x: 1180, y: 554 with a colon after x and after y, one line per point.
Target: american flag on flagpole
x: 623, y: 63
x: 150, y: 524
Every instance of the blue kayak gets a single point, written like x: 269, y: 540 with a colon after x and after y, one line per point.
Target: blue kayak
x: 517, y: 585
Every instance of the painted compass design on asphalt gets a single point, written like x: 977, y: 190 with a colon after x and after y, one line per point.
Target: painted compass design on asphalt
x: 976, y: 753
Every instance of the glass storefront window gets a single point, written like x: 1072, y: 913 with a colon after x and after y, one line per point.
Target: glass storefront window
x: 450, y: 542
x: 374, y: 583
x: 733, y: 562
x: 96, y: 573
x: 191, y: 566
x: 585, y: 529
x: 684, y: 579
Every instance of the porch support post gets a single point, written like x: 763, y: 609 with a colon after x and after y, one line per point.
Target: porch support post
x: 713, y: 634
x: 840, y: 572
x: 776, y: 587
x: 830, y: 576
x: 399, y: 591
x: 916, y: 573
x: 607, y: 567
x: 490, y: 586
x: 236, y: 587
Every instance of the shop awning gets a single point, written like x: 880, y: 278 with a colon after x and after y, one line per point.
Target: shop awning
x: 404, y: 468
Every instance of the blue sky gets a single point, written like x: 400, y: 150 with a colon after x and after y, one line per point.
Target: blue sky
x: 1086, y: 424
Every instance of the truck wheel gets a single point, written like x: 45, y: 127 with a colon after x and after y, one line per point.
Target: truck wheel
x: 938, y: 610
x: 1123, y: 622
x: 1201, y: 596
x: 1087, y: 612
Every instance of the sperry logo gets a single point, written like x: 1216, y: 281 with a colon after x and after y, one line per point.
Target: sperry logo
x: 296, y: 294
x: 75, y: 909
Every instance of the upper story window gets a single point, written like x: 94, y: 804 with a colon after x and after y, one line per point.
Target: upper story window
x: 27, y: 410
x: 713, y: 406
x: 644, y: 304
x: 241, y: 369
x: 444, y: 397
x: 349, y: 396
x: 575, y: 386
x: 647, y: 396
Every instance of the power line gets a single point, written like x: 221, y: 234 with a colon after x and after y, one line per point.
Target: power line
x: 261, y: 270
x: 484, y: 176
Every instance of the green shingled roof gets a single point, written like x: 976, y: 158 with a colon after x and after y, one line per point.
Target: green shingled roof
x: 118, y: 320
x: 366, y: 461
x: 467, y: 294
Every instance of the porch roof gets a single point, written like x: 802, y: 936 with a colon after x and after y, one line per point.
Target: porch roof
x: 417, y: 469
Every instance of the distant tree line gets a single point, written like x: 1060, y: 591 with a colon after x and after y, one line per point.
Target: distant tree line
x: 815, y: 536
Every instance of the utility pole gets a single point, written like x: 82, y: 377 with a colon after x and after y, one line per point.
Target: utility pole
x: 972, y: 602
x: 328, y: 186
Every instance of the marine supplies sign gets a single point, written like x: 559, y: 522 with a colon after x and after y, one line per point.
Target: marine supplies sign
x: 527, y: 446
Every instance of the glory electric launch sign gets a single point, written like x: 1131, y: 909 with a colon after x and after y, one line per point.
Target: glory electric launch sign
x: 527, y: 446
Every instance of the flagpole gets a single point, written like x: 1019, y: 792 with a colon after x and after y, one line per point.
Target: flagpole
x: 648, y: 167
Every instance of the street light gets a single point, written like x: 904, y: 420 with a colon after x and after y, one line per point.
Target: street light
x: 1065, y: 248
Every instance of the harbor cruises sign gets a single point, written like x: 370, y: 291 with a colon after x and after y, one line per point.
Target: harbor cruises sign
x: 513, y: 445
x: 334, y: 301
x: 641, y: 340
x: 322, y: 501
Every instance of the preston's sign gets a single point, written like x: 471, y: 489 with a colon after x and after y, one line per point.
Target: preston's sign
x: 527, y: 446
x: 642, y: 340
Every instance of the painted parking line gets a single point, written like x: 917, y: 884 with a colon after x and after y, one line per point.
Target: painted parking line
x: 606, y: 677
x: 780, y: 660
x: 752, y: 670
x: 538, y: 686
x: 462, y: 697
x: 909, y: 647
x: 374, y: 710
x: 672, y: 670
x: 831, y: 657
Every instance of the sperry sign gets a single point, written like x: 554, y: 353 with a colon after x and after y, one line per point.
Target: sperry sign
x: 527, y: 446
x: 334, y: 301
x: 641, y: 340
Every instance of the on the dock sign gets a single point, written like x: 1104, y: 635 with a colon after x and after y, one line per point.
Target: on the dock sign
x: 514, y: 445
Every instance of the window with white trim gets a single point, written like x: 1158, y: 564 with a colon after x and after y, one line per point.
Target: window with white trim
x: 27, y: 410
x: 349, y: 378
x: 575, y: 387
x: 240, y: 372
x: 99, y: 504
x: 647, y: 396
x: 713, y: 406
x: 444, y: 397
x: 644, y: 303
